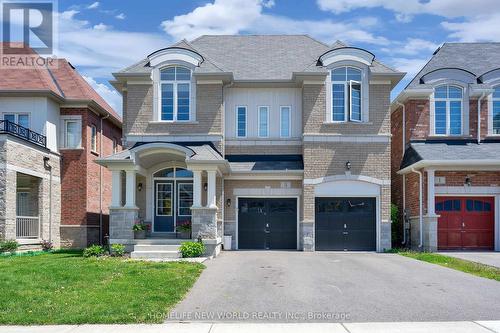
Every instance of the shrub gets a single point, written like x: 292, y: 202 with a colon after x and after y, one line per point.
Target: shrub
x: 192, y: 249
x: 93, y: 251
x: 9, y: 246
x: 47, y: 245
x: 117, y: 250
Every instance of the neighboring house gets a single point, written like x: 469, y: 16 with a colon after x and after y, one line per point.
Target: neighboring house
x: 280, y: 141
x: 446, y: 154
x: 52, y: 126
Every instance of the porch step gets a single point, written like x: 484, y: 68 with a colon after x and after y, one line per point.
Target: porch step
x: 160, y: 241
x: 156, y: 251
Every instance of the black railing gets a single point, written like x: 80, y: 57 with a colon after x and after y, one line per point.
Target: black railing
x: 23, y: 133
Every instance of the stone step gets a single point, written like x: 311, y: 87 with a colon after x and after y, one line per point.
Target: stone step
x: 155, y: 255
x: 156, y: 247
x: 160, y: 241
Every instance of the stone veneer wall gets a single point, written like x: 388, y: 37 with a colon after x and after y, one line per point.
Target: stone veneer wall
x: 16, y: 155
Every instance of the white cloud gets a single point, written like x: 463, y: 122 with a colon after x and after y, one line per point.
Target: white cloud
x: 110, y: 95
x: 93, y: 5
x: 245, y: 16
x: 269, y: 3
x: 481, y: 28
x: 102, y: 27
x: 409, y: 65
x: 413, y: 46
x: 121, y: 16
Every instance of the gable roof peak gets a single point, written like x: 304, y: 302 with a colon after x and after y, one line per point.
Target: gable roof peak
x: 338, y: 44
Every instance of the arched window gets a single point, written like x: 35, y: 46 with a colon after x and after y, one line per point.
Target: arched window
x: 175, y: 92
x: 173, y: 173
x: 448, y: 110
x: 346, y: 94
x: 495, y: 121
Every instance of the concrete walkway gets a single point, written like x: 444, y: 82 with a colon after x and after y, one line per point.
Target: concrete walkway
x: 413, y: 327
x: 487, y: 258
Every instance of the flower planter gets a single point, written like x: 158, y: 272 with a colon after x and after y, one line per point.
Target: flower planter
x: 140, y: 234
x: 185, y: 234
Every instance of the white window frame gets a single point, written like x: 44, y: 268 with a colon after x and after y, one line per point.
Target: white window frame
x: 115, y: 145
x: 289, y: 121
x: 174, y: 83
x: 347, y: 95
x: 448, y: 100
x: 16, y: 116
x: 172, y: 203
x: 93, y: 138
x: 246, y: 121
x: 63, y: 131
x: 179, y: 198
x: 491, y: 102
x: 266, y: 107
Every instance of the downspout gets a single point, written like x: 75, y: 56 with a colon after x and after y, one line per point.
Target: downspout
x: 404, y: 176
x: 421, y: 209
x: 483, y: 95
x: 100, y: 180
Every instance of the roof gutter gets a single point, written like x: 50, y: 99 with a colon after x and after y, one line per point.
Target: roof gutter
x: 448, y: 163
x: 410, y: 93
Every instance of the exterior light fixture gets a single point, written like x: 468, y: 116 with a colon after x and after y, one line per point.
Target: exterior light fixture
x: 348, y: 165
x: 468, y: 182
x: 205, y: 186
x: 228, y: 202
x: 139, y: 187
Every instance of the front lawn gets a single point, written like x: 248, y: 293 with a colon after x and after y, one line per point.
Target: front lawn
x: 65, y: 288
x: 466, y: 266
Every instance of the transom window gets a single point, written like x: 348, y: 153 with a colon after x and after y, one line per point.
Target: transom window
x: 346, y: 94
x: 173, y: 173
x: 496, y: 111
x: 448, y: 110
x: 175, y: 91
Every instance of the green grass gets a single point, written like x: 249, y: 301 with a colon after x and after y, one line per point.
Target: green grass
x: 466, y: 266
x: 65, y: 288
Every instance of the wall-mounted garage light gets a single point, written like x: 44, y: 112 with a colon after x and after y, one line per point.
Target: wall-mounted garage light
x: 468, y: 182
x: 347, y: 165
x: 139, y: 187
x: 205, y: 186
x: 228, y: 202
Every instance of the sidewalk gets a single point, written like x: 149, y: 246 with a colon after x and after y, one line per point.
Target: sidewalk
x: 413, y: 327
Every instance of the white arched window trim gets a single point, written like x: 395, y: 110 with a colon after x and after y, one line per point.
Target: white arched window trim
x: 465, y: 108
x: 492, y: 100
x: 156, y: 77
x: 365, y: 92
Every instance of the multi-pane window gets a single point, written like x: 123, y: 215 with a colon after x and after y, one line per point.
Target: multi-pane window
x: 93, y: 138
x: 285, y: 121
x: 21, y: 119
x: 496, y: 111
x: 175, y: 88
x: 263, y: 121
x: 346, y: 94
x: 448, y: 110
x: 164, y: 199
x: 185, y: 197
x: 241, y: 121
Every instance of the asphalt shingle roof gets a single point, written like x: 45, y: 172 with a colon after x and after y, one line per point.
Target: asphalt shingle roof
x: 247, y: 163
x: 477, y: 58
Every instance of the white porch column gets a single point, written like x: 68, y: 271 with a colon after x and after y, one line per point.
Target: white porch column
x: 197, y: 188
x: 130, y: 188
x: 211, y: 189
x: 430, y: 193
x: 116, y: 188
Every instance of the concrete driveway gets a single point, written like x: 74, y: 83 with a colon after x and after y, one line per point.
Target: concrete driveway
x: 263, y: 286
x: 487, y: 258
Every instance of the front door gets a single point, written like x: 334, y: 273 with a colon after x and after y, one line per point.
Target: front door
x: 164, y: 206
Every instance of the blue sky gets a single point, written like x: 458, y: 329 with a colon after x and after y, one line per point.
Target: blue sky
x: 102, y: 37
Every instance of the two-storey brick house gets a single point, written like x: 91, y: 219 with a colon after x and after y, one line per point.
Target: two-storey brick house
x: 446, y: 153
x: 52, y: 126
x: 282, y: 142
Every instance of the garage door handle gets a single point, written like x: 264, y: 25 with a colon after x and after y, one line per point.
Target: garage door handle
x: 345, y: 233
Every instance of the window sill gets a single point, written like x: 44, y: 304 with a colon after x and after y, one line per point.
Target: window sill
x: 93, y: 152
x: 65, y: 148
x: 347, y: 122
x: 177, y: 122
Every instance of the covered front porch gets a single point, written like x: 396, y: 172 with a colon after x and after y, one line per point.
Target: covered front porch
x: 175, y: 189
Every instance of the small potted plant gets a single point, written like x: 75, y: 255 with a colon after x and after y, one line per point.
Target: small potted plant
x: 139, y: 229
x: 184, y: 228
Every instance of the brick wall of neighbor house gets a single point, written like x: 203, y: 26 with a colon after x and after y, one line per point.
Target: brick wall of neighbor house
x: 478, y: 178
x: 138, y: 113
x: 397, y: 153
x: 230, y: 212
x: 19, y: 155
x: 80, y: 183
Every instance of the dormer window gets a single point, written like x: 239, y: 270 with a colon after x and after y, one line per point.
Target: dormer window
x: 448, y: 107
x: 175, y: 92
x: 346, y: 94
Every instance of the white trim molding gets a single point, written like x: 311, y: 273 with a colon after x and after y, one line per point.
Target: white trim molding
x: 346, y: 177
x: 267, y: 192
x: 347, y: 54
x: 174, y: 54
x: 379, y: 138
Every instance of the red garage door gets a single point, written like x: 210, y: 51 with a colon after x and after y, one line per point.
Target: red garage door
x: 465, y: 223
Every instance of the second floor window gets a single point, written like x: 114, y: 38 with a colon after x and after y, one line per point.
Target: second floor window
x: 71, y: 134
x: 175, y: 91
x: 93, y: 138
x: 285, y: 121
x: 115, y: 146
x: 346, y: 94
x: 263, y: 121
x: 18, y: 118
x: 496, y: 111
x: 448, y: 110
x: 241, y: 121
